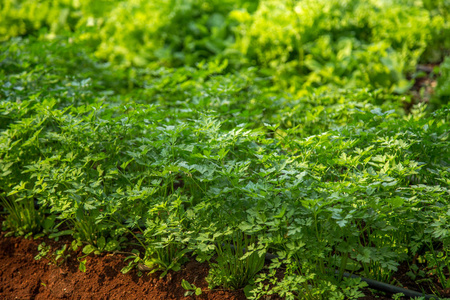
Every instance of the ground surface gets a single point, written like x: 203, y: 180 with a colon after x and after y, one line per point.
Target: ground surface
x: 24, y: 277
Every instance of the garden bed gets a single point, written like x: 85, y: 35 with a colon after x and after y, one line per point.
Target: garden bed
x: 24, y: 277
x: 153, y: 151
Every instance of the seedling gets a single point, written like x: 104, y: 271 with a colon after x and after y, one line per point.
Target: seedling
x: 190, y: 288
x: 43, y: 249
x: 57, y: 258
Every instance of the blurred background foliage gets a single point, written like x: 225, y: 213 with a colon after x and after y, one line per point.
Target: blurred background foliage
x: 303, y: 44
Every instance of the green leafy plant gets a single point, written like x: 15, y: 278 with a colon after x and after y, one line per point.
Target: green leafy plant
x: 190, y: 288
x: 238, y: 260
x: 398, y: 296
x: 43, y: 249
x: 23, y: 218
x: 162, y: 243
x: 58, y: 257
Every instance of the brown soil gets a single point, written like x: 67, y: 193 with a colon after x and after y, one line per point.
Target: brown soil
x: 23, y: 277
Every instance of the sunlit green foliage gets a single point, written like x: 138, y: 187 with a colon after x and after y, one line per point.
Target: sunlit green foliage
x: 347, y: 43
x: 305, y: 43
